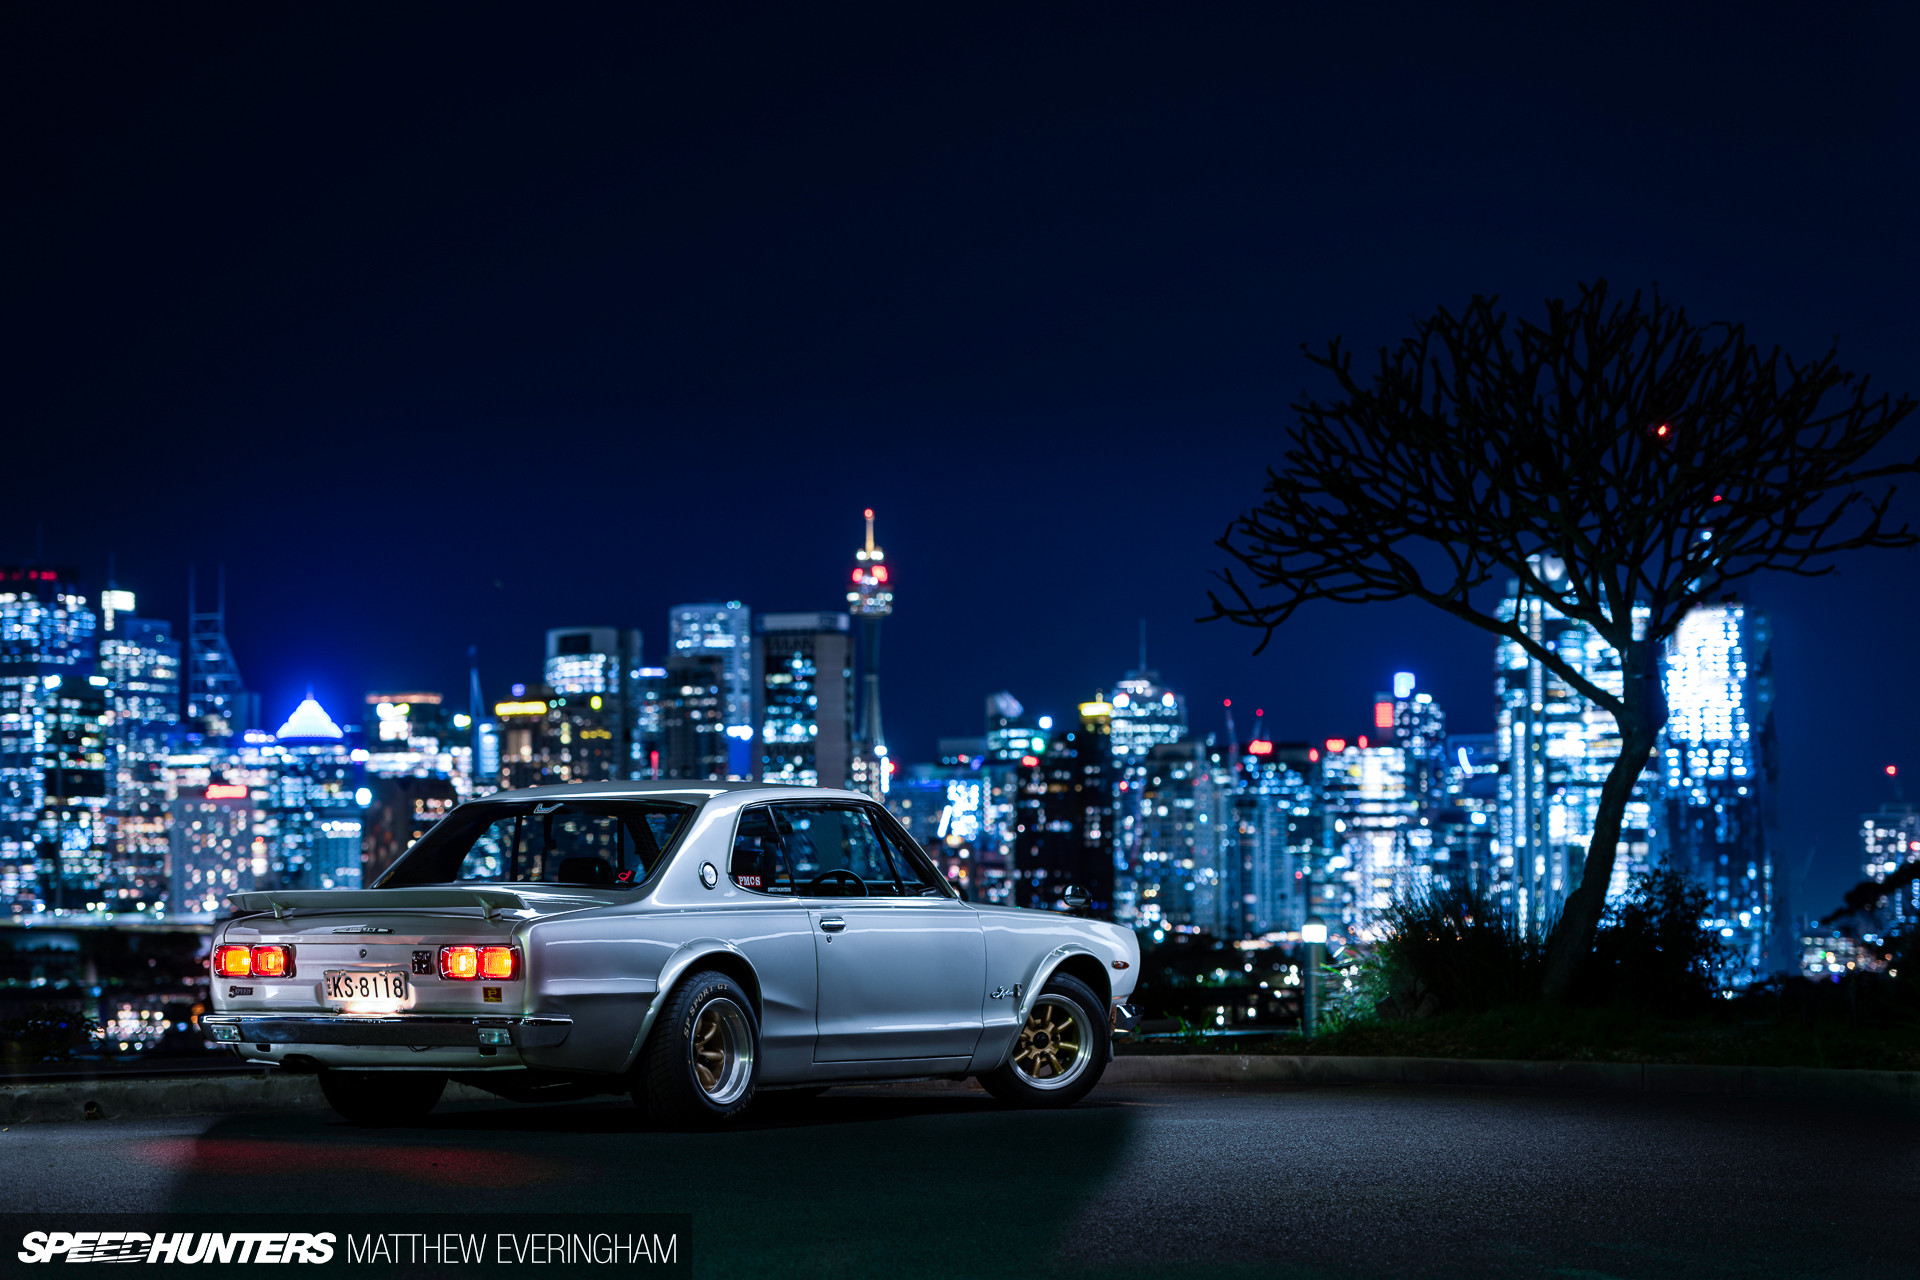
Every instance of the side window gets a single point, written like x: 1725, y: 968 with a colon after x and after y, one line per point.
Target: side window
x: 757, y: 862
x: 916, y: 875
x: 833, y: 851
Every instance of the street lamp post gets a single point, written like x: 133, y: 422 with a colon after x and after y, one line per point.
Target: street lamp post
x: 1314, y: 934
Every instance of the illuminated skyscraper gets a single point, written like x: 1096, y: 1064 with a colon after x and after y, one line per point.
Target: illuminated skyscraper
x: 140, y: 660
x: 1414, y: 722
x: 724, y: 632
x: 870, y: 600
x: 1557, y: 748
x: 1371, y: 815
x: 1718, y: 753
x: 804, y: 666
x: 1064, y: 819
x: 217, y: 838
x: 1145, y: 716
x: 1889, y: 840
x: 694, y: 734
x: 1276, y: 828
x: 594, y: 672
x: 314, y: 803
x: 1180, y: 799
x: 1468, y: 819
x: 54, y: 851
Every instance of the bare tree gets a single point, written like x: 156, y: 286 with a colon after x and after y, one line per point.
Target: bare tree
x: 1659, y: 461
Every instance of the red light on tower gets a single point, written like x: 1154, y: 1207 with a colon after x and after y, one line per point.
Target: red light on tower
x: 1383, y: 715
x: 1363, y: 742
x: 1260, y: 748
x: 1892, y: 772
x: 1336, y: 745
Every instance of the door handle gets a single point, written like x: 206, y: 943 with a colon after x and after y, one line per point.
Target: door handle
x: 832, y: 924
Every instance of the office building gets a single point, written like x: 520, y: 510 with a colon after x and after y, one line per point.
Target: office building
x: 803, y: 667
x: 554, y: 738
x: 1468, y: 820
x: 1269, y: 847
x: 643, y: 732
x: 54, y: 850
x: 140, y: 660
x: 1415, y: 723
x: 415, y: 734
x: 603, y: 663
x: 1370, y: 814
x: 1889, y: 841
x: 1063, y: 820
x: 1145, y: 716
x: 313, y: 799
x: 218, y: 832
x: 1556, y: 749
x: 944, y: 807
x: 1182, y: 795
x: 693, y: 719
x: 724, y: 632
x: 1718, y: 754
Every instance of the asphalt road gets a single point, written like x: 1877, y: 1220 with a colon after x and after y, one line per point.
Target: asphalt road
x: 938, y: 1180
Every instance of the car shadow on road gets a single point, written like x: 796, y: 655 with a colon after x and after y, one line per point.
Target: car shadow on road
x: 912, y: 1181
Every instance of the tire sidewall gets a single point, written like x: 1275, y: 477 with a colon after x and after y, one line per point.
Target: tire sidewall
x: 1005, y: 1081
x: 687, y: 1097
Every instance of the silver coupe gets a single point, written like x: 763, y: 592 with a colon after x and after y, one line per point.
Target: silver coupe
x: 689, y: 943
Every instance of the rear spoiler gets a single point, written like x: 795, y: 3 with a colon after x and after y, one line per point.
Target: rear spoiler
x: 489, y: 902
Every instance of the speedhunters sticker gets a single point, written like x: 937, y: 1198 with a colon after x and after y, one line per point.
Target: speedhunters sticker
x: 371, y: 1245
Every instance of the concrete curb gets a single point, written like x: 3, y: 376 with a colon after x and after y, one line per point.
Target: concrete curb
x: 238, y: 1094
x: 1624, y: 1077
x: 175, y: 1096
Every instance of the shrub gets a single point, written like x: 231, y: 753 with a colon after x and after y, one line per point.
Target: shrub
x: 1452, y: 949
x: 1654, y: 949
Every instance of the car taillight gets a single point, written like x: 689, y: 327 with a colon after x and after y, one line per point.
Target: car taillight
x: 476, y: 964
x: 233, y: 961
x: 272, y: 961
x: 462, y: 963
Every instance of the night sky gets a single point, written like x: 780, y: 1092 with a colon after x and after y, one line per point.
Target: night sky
x: 442, y: 327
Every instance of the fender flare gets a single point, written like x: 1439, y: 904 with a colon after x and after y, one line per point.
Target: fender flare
x: 684, y: 957
x: 1041, y: 973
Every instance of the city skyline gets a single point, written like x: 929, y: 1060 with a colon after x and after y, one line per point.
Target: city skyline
x: 1798, y: 896
x: 1719, y: 766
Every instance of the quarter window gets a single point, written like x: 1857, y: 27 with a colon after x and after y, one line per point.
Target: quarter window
x: 758, y: 863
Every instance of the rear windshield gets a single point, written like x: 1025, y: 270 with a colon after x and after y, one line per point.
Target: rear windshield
x: 610, y: 844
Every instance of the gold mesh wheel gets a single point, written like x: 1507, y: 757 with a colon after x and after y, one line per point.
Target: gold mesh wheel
x: 722, y: 1051
x: 1055, y: 1045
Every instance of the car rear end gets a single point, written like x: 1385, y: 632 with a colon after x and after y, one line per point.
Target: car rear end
x: 421, y: 986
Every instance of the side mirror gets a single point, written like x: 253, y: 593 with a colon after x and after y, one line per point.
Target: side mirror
x: 1074, y: 898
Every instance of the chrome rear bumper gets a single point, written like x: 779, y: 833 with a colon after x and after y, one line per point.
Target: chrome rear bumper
x: 410, y: 1029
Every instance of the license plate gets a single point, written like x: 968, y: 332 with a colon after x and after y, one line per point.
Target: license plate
x: 357, y: 986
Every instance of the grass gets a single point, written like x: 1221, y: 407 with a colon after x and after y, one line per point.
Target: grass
x: 1538, y: 1032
